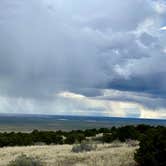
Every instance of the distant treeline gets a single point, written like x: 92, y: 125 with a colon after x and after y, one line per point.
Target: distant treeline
x: 71, y: 137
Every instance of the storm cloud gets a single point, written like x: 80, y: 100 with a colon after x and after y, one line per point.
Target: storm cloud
x: 52, y: 47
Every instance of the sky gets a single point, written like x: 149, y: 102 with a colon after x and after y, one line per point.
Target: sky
x: 81, y: 57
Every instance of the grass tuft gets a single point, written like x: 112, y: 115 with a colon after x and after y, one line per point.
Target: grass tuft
x: 84, y: 147
x: 24, y: 160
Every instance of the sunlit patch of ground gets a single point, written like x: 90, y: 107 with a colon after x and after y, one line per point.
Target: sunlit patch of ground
x: 61, y: 155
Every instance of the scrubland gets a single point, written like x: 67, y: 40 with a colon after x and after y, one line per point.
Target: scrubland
x: 123, y: 146
x: 114, y: 154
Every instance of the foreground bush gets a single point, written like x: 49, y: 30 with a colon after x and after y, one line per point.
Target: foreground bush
x: 24, y: 160
x: 84, y: 147
x: 152, y: 149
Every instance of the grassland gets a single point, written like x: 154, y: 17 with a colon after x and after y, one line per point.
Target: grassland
x: 27, y: 123
x: 61, y: 155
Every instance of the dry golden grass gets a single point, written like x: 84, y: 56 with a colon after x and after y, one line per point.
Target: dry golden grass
x: 61, y: 155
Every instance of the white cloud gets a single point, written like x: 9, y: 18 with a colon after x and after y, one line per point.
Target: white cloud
x: 69, y: 103
x: 160, y: 6
x: 153, y: 114
x: 147, y: 26
x: 71, y: 95
x: 163, y: 28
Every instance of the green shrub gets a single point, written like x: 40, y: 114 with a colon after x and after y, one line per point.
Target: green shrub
x: 122, y: 133
x: 152, y: 149
x: 107, y: 137
x: 73, y: 138
x: 90, y: 132
x: 24, y: 160
x: 84, y: 147
x: 127, y: 132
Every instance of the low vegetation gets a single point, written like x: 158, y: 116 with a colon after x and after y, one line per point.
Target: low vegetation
x: 148, y: 144
x: 84, y: 147
x: 62, y: 155
x: 24, y: 160
x: 152, y: 149
x: 61, y: 137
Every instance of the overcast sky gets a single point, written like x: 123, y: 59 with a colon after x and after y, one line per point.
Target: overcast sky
x: 83, y: 57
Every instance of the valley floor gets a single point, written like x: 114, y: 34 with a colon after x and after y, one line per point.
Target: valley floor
x: 61, y: 155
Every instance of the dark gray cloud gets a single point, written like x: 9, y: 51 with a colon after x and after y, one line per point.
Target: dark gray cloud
x: 49, y: 46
